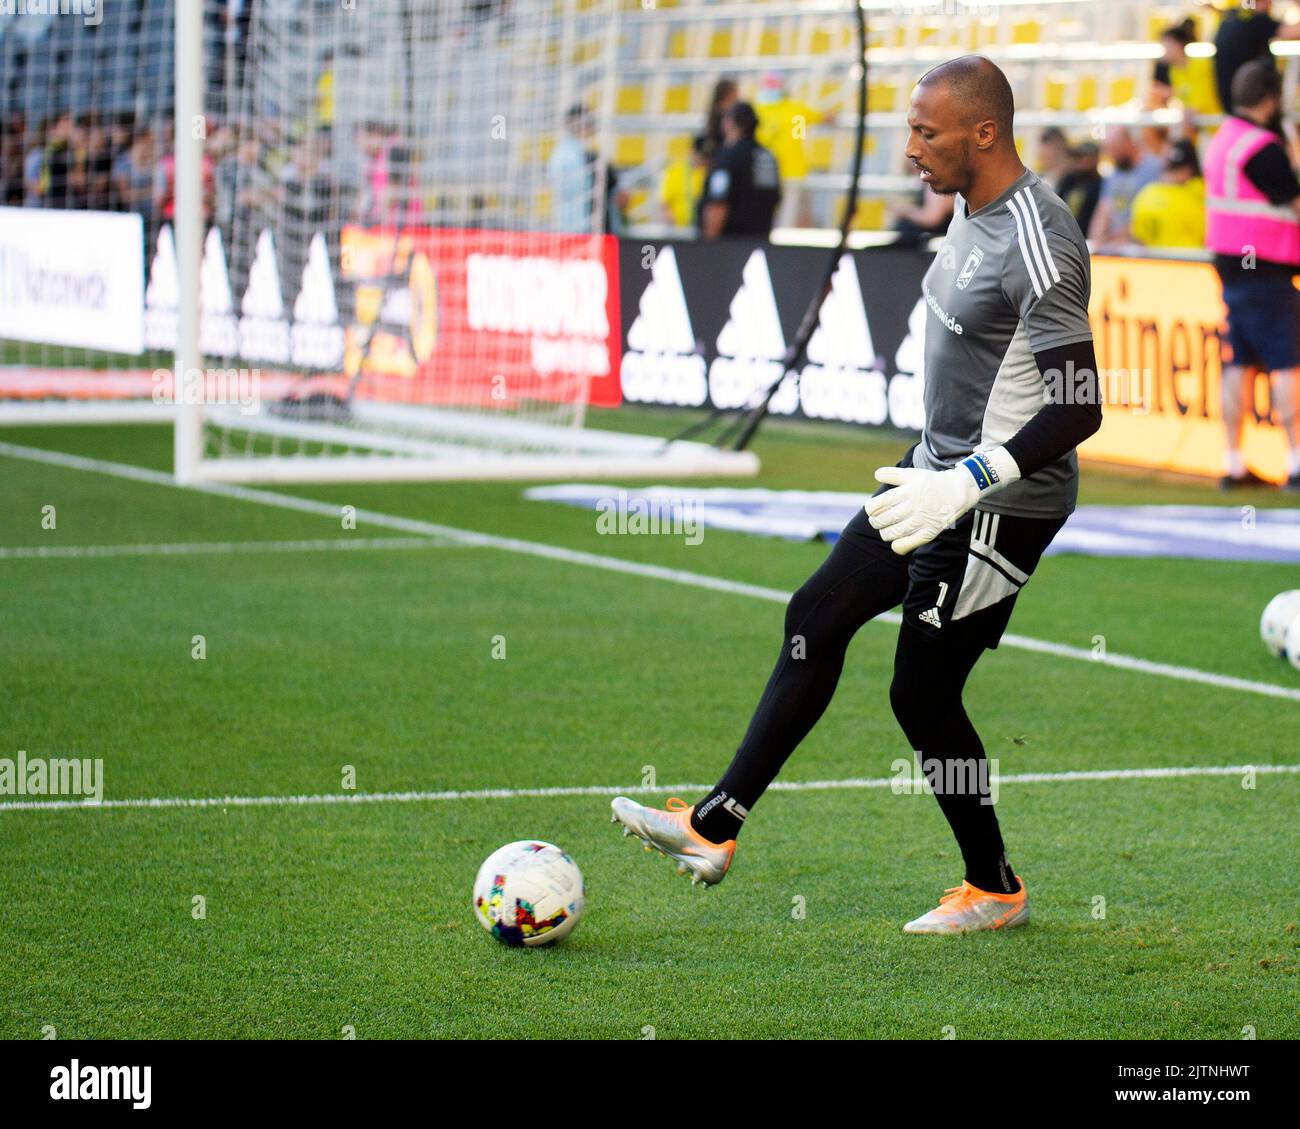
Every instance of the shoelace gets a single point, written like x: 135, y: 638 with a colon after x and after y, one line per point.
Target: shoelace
x: 958, y: 895
x: 682, y: 805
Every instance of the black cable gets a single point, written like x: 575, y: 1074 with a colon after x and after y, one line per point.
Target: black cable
x: 748, y: 423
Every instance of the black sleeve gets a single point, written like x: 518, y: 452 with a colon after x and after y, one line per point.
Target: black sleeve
x: 1071, y: 408
x: 1162, y: 73
x: 1270, y: 171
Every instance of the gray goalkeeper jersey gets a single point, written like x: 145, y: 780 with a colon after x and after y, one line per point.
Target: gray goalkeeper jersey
x: 1011, y: 279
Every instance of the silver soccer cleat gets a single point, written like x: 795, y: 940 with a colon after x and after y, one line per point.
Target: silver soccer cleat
x: 670, y: 833
x: 965, y: 909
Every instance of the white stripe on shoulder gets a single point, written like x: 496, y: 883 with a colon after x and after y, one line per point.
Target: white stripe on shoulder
x: 1034, y: 243
x: 1024, y: 247
x: 1042, y: 231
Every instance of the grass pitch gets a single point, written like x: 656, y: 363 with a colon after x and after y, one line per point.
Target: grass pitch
x: 1163, y: 907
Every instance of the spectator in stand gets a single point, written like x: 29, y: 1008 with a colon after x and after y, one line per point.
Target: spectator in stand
x: 135, y: 178
x: 98, y: 160
x: 1131, y: 171
x: 34, y: 168
x: 57, y: 164
x: 744, y: 186
x: 783, y: 124
x: 1053, y: 157
x: 682, y: 187
x: 725, y: 95
x: 11, y: 161
x: 165, y: 188
x: 1170, y: 212
x: 1245, y: 33
x: 1080, y: 188
x: 1253, y: 228
x: 1189, y: 81
x: 570, y: 170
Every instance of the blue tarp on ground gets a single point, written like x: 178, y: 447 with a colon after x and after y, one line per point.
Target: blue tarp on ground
x: 1236, y: 532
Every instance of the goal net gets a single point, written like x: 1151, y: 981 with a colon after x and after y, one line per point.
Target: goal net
x: 375, y: 242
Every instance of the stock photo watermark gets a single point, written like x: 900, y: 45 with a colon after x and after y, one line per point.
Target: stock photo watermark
x: 52, y: 776
x: 653, y: 515
x: 90, y: 11
x: 968, y: 776
x: 239, y: 388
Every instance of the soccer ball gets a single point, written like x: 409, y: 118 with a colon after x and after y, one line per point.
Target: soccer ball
x: 1277, y: 617
x: 529, y: 893
x: 1291, y: 643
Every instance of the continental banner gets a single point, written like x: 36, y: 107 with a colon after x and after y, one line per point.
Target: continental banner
x: 1157, y: 327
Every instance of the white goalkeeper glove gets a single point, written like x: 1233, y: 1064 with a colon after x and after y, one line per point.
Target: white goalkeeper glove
x: 924, y: 502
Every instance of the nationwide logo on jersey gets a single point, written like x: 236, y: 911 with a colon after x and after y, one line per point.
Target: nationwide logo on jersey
x: 844, y: 378
x: 971, y: 265
x: 263, y: 329
x: 751, y: 346
x: 663, y: 364
x: 317, y: 338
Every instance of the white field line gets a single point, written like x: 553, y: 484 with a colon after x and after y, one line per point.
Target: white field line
x: 612, y: 564
x: 630, y: 790
x: 222, y: 548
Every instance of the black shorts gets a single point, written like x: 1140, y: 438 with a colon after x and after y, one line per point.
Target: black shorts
x: 963, y: 584
x: 1263, y: 321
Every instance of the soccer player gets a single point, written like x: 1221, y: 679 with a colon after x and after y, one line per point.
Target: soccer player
x: 961, y: 521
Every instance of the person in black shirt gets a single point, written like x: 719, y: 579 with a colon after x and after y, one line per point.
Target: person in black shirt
x: 744, y: 186
x: 1244, y: 35
x: 1080, y: 188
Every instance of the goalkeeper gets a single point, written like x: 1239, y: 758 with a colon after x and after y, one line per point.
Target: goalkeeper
x: 961, y: 522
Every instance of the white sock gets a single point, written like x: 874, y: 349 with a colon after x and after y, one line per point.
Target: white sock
x: 1236, y: 468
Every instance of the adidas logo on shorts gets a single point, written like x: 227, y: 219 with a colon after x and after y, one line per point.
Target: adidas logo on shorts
x: 932, y: 618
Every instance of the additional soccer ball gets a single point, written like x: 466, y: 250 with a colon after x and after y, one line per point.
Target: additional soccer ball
x: 1277, y: 617
x: 529, y: 893
x: 1291, y: 643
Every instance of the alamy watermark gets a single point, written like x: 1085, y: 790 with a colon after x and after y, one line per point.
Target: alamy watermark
x: 92, y: 11
x: 237, y: 387
x: 954, y: 776
x: 52, y: 776
x: 653, y: 514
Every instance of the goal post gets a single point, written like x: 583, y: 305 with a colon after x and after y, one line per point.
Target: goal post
x: 190, y: 130
x: 416, y: 216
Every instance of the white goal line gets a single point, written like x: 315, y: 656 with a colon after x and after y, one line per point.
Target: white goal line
x: 629, y: 790
x: 612, y: 564
x: 223, y: 548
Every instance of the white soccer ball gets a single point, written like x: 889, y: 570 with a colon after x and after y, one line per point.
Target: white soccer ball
x: 529, y: 893
x: 1277, y: 617
x: 1291, y: 643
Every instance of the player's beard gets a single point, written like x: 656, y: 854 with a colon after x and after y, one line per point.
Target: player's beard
x: 960, y: 181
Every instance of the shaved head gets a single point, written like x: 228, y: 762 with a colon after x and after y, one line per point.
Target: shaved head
x: 960, y: 135
x: 979, y: 88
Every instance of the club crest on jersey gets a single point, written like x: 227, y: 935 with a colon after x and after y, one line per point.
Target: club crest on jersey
x: 972, y: 264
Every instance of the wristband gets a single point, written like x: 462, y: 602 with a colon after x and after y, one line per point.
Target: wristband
x: 991, y: 469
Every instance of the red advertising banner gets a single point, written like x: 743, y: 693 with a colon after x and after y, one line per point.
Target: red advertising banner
x: 482, y: 318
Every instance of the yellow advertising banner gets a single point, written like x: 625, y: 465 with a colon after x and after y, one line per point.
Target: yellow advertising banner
x: 1157, y: 328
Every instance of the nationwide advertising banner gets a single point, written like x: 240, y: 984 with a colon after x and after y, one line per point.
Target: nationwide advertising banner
x: 72, y: 278
x: 706, y: 324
